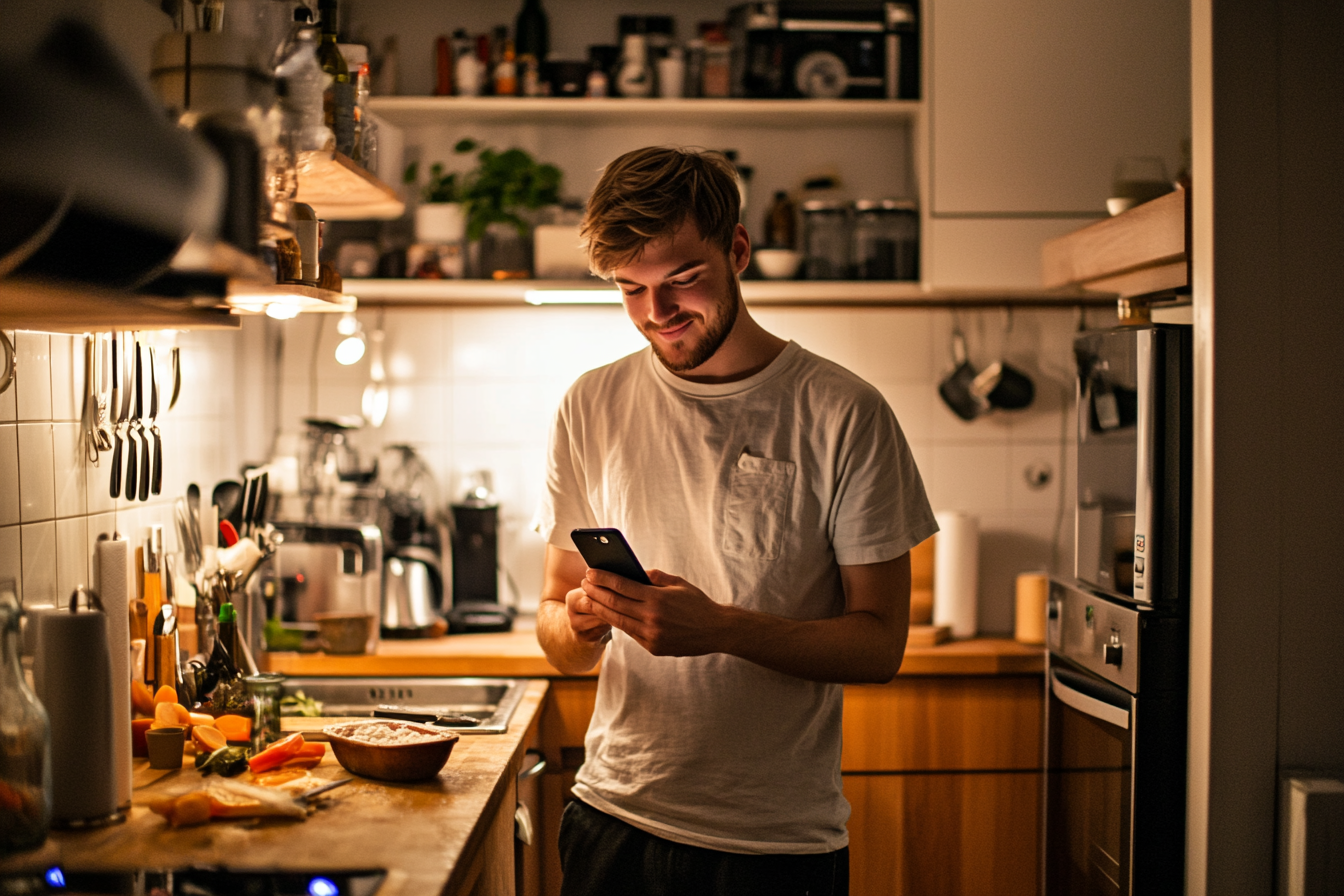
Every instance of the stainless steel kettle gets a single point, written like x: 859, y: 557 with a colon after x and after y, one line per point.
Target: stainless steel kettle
x: 412, y: 594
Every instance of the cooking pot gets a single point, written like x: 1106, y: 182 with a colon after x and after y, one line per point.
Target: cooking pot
x: 412, y: 593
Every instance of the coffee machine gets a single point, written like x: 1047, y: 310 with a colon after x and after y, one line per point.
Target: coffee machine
x: 475, y: 541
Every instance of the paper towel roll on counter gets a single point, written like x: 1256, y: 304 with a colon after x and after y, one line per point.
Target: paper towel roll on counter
x: 116, y: 587
x: 956, y: 572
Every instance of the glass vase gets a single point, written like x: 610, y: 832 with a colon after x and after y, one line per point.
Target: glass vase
x: 25, y: 742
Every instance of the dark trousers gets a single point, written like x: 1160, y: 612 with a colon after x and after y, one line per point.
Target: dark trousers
x: 603, y: 856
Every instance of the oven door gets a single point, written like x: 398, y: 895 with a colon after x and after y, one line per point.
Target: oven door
x: 1088, y: 798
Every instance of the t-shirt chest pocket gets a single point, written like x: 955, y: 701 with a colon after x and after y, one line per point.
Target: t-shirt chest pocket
x: 756, y: 510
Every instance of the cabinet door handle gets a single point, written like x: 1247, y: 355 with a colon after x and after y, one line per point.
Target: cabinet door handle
x: 1089, y: 705
x: 535, y: 770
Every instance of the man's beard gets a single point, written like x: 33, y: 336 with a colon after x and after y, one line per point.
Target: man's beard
x: 716, y: 332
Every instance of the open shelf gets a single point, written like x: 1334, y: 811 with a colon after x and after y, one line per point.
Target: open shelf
x: 758, y: 293
x: 254, y: 298
x: 340, y: 190
x: 414, y: 111
x: 59, y: 307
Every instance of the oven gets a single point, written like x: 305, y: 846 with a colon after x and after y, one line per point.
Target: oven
x: 1117, y: 632
x: 1115, y: 746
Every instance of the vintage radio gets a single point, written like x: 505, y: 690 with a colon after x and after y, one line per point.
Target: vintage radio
x: 808, y: 48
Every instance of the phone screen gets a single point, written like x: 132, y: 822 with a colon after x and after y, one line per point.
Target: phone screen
x: 607, y: 550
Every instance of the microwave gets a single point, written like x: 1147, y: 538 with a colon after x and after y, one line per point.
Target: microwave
x: 1133, y: 389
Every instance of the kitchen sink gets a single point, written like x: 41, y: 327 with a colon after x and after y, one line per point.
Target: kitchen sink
x: 490, y: 701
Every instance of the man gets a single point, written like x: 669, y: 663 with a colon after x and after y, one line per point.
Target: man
x: 775, y: 496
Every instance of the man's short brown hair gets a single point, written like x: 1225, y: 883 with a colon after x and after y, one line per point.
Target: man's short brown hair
x: 647, y: 194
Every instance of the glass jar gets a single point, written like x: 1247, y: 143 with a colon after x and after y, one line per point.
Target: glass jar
x: 886, y: 239
x: 25, y: 741
x: 264, y: 689
x: 825, y: 239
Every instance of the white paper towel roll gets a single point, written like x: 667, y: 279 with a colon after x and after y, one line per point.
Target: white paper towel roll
x: 956, y: 573
x: 116, y: 585
x: 72, y: 677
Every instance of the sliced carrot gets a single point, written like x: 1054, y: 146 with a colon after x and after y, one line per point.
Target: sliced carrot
x: 301, y: 762
x: 318, y: 749
x: 201, y: 718
x: 283, y: 749
x: 276, y: 777
x: 165, y: 694
x: 238, y: 729
x: 207, y: 738
x: 142, y: 698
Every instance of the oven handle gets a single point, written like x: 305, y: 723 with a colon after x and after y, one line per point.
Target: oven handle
x: 1087, y: 704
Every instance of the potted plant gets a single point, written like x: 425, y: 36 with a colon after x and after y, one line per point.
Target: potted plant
x: 498, y: 195
x: 440, y: 217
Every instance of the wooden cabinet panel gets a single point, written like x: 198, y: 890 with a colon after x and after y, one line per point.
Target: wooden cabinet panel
x: 950, y: 834
x: 944, y: 724
x: 564, y: 718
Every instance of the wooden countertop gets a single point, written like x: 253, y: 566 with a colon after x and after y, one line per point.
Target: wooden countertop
x: 517, y: 654
x: 361, y: 825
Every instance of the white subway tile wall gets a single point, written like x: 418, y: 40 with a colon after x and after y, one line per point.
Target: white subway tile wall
x: 476, y: 389
x: 54, y: 502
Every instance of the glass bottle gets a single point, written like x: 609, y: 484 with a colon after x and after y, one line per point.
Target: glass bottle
x: 264, y: 689
x: 506, y: 72
x: 781, y: 228
x: 25, y: 742
x: 532, y: 32
x: 338, y: 100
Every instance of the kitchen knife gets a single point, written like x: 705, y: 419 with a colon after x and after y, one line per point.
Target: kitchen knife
x: 114, y: 484
x: 132, y: 462
x: 156, y: 483
x: 146, y: 462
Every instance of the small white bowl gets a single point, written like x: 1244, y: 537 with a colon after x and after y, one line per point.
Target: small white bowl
x: 777, y: 264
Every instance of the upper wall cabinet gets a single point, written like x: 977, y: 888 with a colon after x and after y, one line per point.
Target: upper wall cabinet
x: 1033, y: 103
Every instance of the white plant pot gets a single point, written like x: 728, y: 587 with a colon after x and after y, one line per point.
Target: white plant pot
x: 440, y: 222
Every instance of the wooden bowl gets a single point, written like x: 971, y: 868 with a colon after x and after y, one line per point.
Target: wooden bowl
x: 357, y: 748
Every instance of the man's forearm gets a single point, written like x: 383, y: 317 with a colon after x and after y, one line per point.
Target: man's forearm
x: 856, y: 648
x: 564, y: 649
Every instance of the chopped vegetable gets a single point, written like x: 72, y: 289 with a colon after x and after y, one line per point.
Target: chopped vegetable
x: 235, y: 728
x: 225, y: 799
x: 165, y: 694
x: 165, y: 716
x: 276, y: 777
x: 201, y: 718
x: 300, y: 704
x: 208, y: 738
x: 187, y: 809
x: 139, y: 747
x: 226, y: 761
x: 142, y: 699
x: 283, y: 749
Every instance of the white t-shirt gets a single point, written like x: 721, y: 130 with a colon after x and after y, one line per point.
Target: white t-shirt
x: 756, y: 492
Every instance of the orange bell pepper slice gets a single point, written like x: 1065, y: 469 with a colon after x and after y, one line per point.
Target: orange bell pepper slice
x: 276, y: 753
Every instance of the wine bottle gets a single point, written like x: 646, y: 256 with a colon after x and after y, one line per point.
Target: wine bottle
x: 531, y: 32
x: 338, y: 101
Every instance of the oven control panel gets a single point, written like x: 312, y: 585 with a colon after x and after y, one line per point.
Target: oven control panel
x: 1094, y: 632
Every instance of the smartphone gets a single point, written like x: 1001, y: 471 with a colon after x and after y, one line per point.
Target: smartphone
x: 607, y: 550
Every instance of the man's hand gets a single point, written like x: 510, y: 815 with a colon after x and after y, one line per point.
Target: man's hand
x: 586, y: 625
x: 671, y: 617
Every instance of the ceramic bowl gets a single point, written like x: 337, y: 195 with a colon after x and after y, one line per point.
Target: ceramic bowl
x: 418, y: 761
x: 777, y: 264
x: 346, y: 633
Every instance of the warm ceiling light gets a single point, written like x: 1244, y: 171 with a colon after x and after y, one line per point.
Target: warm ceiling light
x: 350, y: 349
x: 282, y: 310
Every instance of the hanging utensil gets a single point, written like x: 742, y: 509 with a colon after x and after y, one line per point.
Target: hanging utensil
x: 118, y: 362
x: 249, y: 500
x: 228, y: 497
x: 177, y: 378
x: 156, y: 466
x: 102, y: 355
x: 88, y: 421
x: 132, y: 440
x: 263, y: 495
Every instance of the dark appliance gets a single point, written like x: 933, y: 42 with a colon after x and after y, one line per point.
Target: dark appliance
x: 413, y: 572
x: 1118, y: 634
x: 475, y: 570
x: 808, y: 48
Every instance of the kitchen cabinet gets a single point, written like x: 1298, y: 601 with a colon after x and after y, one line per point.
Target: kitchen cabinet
x: 942, y: 773
x: 1029, y: 107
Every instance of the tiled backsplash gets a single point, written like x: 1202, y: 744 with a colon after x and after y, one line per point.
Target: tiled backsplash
x: 54, y: 502
x: 476, y: 388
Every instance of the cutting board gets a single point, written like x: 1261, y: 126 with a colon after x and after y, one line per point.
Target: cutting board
x: 928, y: 635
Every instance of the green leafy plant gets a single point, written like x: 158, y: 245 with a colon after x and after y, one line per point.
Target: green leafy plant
x: 441, y: 186
x: 502, y: 185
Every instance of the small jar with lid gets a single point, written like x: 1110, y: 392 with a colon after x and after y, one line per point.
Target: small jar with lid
x: 886, y: 239
x: 826, y: 239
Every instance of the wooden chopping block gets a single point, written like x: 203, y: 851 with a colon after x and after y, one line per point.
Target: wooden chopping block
x: 921, y: 583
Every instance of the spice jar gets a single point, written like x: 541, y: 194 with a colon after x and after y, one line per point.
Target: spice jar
x: 264, y: 689
x: 886, y: 239
x: 825, y: 239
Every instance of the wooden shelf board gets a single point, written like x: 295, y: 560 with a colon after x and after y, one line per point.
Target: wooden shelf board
x: 340, y: 190
x: 416, y: 111
x: 758, y: 293
x: 74, y: 308
x: 252, y: 298
x: 1148, y: 240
